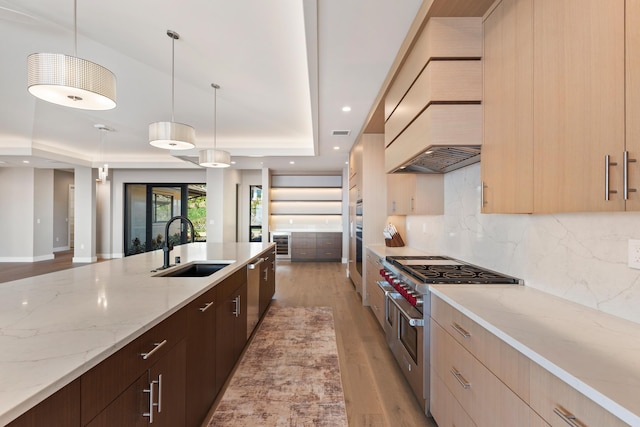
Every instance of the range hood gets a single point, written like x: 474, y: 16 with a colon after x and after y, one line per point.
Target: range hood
x: 441, y: 159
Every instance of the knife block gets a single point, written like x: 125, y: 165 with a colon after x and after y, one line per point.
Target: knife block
x: 395, y: 241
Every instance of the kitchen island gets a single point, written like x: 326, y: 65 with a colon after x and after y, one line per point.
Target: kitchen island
x: 56, y: 327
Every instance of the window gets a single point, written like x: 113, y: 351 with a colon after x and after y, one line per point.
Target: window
x: 255, y: 213
x: 148, y: 207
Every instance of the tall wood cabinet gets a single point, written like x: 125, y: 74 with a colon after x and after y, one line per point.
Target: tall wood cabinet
x: 555, y: 137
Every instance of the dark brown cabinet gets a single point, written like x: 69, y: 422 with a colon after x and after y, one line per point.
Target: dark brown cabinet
x: 231, y: 324
x: 267, y: 281
x: 320, y: 246
x: 145, y: 379
x: 201, y: 357
x: 62, y: 409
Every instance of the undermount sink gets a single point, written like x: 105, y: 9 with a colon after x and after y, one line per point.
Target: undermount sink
x: 197, y: 269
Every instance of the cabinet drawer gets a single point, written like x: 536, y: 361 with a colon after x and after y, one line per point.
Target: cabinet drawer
x: 107, y: 380
x: 328, y: 254
x: 552, y: 398
x: 439, y: 124
x: 508, y: 364
x: 481, y: 394
x: 303, y: 253
x: 376, y: 300
x: 444, y: 407
x: 440, y: 81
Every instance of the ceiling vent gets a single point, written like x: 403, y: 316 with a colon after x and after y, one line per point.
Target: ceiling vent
x: 341, y: 133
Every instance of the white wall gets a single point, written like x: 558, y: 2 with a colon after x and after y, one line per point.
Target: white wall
x: 43, y: 214
x: 16, y: 214
x: 581, y: 257
x: 61, y: 182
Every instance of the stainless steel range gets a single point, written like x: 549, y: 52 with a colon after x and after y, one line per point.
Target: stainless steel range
x: 405, y: 282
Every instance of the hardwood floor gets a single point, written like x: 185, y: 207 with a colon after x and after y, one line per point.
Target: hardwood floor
x: 376, y: 393
x: 17, y: 270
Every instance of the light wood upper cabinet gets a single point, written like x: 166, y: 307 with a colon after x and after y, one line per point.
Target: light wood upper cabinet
x: 579, y: 104
x: 555, y: 98
x: 632, y: 93
x: 507, y: 145
x: 413, y: 194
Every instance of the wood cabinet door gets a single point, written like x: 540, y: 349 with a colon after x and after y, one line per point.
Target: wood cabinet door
x: 632, y: 139
x: 170, y: 372
x: 507, y: 144
x: 400, y: 193
x: 231, y: 332
x: 579, y: 101
x: 128, y: 409
x: 201, y: 357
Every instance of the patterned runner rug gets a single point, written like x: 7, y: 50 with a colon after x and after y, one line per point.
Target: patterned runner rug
x: 289, y: 376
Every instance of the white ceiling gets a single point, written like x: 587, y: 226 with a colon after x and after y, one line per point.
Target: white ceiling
x: 286, y: 68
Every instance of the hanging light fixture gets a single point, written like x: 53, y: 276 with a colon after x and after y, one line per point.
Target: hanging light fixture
x: 71, y: 81
x: 212, y: 158
x: 172, y: 135
x: 103, y: 171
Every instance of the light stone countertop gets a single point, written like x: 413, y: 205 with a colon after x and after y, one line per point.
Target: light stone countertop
x: 596, y: 353
x: 55, y: 327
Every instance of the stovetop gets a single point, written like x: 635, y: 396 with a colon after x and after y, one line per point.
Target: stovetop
x: 444, y: 270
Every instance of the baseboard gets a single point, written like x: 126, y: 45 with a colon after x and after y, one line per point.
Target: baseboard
x: 27, y: 259
x: 84, y: 259
x: 61, y: 249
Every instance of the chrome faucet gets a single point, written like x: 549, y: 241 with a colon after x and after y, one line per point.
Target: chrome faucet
x: 168, y: 246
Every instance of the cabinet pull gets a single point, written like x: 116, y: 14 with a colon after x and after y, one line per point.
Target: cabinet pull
x: 567, y: 417
x: 205, y: 307
x: 411, y: 204
x: 159, y: 382
x: 236, y: 310
x: 266, y: 274
x: 459, y: 329
x: 626, y: 162
x: 151, y: 401
x: 607, y: 165
x: 156, y: 347
x: 393, y: 206
x: 458, y: 376
x: 482, y: 187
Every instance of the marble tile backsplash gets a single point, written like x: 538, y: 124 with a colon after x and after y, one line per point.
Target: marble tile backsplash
x: 581, y: 257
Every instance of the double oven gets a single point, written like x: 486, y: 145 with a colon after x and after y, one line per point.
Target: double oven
x: 405, y: 281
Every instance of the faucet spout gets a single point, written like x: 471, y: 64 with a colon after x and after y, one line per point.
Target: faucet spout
x: 167, y: 246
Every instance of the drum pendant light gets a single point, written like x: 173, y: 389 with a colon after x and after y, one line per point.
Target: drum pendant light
x: 212, y: 158
x: 71, y: 81
x: 172, y: 135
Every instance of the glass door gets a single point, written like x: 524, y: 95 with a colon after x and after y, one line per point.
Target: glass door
x: 255, y: 213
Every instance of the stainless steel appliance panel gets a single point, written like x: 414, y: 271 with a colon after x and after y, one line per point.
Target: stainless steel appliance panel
x: 253, y: 294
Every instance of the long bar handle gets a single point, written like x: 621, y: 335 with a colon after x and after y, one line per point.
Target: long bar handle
x: 567, y: 417
x: 266, y: 274
x: 626, y: 162
x: 236, y: 310
x: 411, y: 204
x: 156, y: 347
x: 482, y: 201
x: 151, y: 401
x: 459, y: 329
x: 205, y: 307
x: 159, y: 382
x: 458, y: 376
x: 607, y: 165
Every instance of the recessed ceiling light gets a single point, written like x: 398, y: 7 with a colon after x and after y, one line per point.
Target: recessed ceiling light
x: 346, y: 108
x: 25, y: 161
x: 233, y: 162
x: 336, y: 148
x: 292, y: 162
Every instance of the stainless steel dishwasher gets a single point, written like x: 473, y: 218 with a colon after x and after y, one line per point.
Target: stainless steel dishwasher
x: 253, y: 294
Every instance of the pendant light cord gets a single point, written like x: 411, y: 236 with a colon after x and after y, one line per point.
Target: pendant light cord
x: 173, y: 65
x: 215, y: 113
x: 75, y: 28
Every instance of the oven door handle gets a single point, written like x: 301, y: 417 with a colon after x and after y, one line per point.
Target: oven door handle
x: 413, y: 321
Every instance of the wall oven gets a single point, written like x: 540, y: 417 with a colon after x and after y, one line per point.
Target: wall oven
x: 358, y: 231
